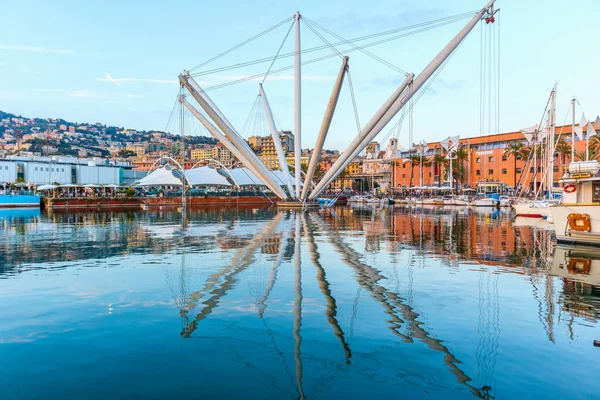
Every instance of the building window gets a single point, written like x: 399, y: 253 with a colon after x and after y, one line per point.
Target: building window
x: 403, y: 165
x: 555, y: 168
x: 36, y: 168
x: 478, y: 160
x: 403, y: 175
x: 519, y: 157
x: 503, y: 171
x: 478, y: 172
x: 490, y: 172
x: 491, y: 159
x: 47, y: 169
x: 518, y: 170
x: 62, y: 170
x: 504, y: 157
x: 531, y: 169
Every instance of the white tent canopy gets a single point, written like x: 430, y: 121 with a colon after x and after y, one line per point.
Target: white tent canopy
x: 245, y: 177
x: 159, y: 177
x: 46, y: 187
x: 206, y: 176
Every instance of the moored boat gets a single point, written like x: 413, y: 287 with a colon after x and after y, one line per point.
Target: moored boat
x: 485, y: 202
x: 19, y: 200
x: 577, y: 217
x: 533, y: 209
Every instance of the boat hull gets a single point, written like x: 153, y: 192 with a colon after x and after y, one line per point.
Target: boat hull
x: 19, y: 201
x: 531, y: 210
x: 485, y: 203
x: 560, y: 216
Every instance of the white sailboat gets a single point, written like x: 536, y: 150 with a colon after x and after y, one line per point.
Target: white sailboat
x: 544, y: 141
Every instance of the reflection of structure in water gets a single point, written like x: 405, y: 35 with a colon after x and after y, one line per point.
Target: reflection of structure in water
x: 580, y: 269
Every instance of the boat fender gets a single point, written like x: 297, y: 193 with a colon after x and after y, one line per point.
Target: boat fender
x: 570, y: 188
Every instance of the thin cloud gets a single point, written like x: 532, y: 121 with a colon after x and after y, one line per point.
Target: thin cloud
x: 83, y: 94
x: 110, y: 79
x: 34, y: 49
x: 135, y: 80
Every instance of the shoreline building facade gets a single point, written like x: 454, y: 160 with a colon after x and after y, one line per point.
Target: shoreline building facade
x: 489, y: 161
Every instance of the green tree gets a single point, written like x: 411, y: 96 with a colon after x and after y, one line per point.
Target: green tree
x: 514, y: 149
x: 462, y: 155
x: 564, y: 149
x: 127, y: 153
x: 581, y: 156
x: 438, y: 161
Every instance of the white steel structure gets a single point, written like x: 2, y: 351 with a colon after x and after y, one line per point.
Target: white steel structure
x: 227, y: 134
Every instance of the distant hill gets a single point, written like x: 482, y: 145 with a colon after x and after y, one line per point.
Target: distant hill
x: 56, y: 136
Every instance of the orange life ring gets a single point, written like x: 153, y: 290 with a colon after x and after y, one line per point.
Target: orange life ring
x: 579, y: 222
x: 579, y: 265
x: 570, y: 188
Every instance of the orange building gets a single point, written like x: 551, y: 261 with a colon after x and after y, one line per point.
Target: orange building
x: 486, y: 161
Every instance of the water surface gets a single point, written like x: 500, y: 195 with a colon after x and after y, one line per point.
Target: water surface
x: 243, y: 303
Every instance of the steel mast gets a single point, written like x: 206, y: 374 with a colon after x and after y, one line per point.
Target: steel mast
x: 316, y: 155
x: 297, y: 108
x: 407, y: 95
x: 236, y: 140
x: 276, y: 141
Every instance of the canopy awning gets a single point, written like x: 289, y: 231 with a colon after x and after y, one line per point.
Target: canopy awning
x: 46, y: 187
x: 206, y: 176
x: 159, y: 177
x: 245, y: 177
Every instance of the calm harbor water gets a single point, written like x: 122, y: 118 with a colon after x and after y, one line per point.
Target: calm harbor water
x: 350, y: 302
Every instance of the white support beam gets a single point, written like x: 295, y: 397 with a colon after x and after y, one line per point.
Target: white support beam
x: 360, y: 142
x: 230, y: 133
x: 316, y: 155
x: 217, y: 134
x: 401, y: 101
x: 277, y: 142
x: 297, y: 108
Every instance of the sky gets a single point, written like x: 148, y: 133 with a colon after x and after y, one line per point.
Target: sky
x: 56, y: 59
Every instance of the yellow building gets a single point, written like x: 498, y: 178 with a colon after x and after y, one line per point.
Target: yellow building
x: 203, y: 153
x: 139, y: 150
x: 255, y: 142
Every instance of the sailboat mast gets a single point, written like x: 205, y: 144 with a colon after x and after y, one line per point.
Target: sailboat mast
x: 421, y: 165
x: 573, y: 132
x: 297, y: 108
x: 550, y: 173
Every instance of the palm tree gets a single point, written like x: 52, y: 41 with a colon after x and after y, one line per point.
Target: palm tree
x: 564, y: 149
x: 595, y: 144
x: 438, y: 161
x: 515, y: 149
x: 461, y: 156
x: 414, y: 159
x: 582, y: 156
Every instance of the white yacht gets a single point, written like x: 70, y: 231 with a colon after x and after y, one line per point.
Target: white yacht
x: 485, y: 202
x: 533, y: 208
x: 577, y: 217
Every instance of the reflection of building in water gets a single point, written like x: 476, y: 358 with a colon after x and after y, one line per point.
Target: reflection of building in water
x: 271, y: 246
